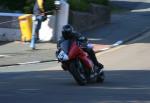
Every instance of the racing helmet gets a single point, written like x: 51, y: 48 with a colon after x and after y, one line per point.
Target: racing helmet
x: 67, y: 31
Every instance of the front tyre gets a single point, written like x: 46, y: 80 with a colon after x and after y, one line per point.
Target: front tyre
x: 77, y: 72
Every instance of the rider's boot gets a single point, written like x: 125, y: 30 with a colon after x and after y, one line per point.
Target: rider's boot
x: 100, y: 67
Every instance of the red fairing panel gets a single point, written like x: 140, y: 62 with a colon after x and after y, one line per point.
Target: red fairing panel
x: 75, y: 52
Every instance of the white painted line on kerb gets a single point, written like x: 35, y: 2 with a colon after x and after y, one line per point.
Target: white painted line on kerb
x: 141, y: 10
x: 33, y: 62
x: 2, y: 56
x: 104, y: 49
x: 117, y: 43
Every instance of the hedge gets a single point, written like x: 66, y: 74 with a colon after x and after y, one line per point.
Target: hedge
x: 26, y: 6
x: 84, y: 5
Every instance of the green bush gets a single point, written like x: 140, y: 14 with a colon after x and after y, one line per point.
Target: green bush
x: 79, y: 5
x: 26, y: 6
x: 12, y: 5
x: 84, y: 5
x: 101, y: 2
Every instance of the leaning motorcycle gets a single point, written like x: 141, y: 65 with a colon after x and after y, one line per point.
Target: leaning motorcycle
x: 75, y: 60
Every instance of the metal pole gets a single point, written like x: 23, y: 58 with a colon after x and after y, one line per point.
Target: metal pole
x: 56, y: 32
x: 61, y: 17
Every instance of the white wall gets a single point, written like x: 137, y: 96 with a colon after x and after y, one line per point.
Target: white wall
x: 47, y: 27
x: 9, y: 31
x: 8, y: 34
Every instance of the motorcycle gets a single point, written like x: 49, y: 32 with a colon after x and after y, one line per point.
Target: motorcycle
x: 75, y: 60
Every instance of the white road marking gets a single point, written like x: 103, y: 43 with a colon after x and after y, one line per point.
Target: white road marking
x: 3, y: 56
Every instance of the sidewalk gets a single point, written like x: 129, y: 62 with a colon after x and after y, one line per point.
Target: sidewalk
x: 14, y: 53
x: 123, y: 27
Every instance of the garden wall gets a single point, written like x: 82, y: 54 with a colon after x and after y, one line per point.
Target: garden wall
x: 98, y: 15
x: 9, y: 27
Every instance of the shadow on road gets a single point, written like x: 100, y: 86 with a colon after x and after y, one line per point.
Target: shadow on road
x: 3, y: 42
x: 121, y: 86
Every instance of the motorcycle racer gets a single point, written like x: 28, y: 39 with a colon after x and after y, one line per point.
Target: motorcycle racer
x: 68, y: 33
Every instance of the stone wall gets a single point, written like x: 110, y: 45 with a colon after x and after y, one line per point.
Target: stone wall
x: 9, y: 27
x: 98, y: 15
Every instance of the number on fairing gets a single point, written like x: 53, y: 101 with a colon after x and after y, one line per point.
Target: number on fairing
x: 62, y: 56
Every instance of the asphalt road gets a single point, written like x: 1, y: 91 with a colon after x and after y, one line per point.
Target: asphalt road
x: 127, y: 80
x: 132, y: 4
x: 127, y: 72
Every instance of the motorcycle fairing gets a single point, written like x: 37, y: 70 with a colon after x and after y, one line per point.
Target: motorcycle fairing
x: 76, y: 51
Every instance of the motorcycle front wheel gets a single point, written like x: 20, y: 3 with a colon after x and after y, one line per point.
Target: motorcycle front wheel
x: 77, y: 72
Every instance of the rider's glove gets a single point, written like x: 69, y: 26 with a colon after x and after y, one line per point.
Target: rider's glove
x: 82, y: 39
